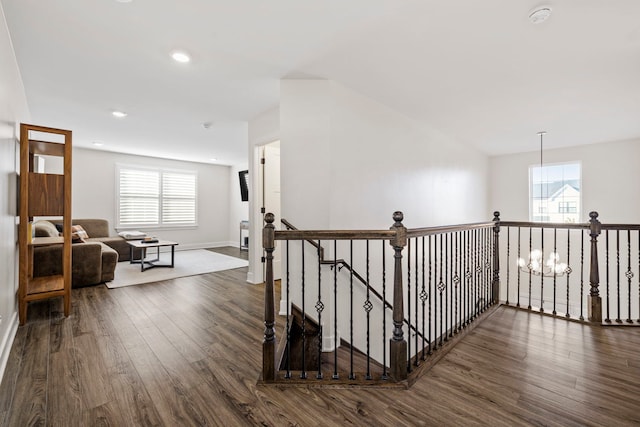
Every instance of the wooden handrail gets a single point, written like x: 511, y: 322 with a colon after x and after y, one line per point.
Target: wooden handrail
x: 335, y: 235
x: 562, y: 225
x: 426, y: 231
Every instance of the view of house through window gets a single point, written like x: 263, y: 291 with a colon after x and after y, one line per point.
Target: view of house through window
x: 555, y: 193
x: 151, y: 197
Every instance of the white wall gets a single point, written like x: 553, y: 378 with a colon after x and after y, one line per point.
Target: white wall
x: 13, y: 110
x: 349, y: 162
x: 263, y: 129
x: 94, y: 186
x: 238, y: 210
x: 610, y: 177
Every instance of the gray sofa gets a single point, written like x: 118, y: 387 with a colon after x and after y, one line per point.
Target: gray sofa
x: 93, y: 260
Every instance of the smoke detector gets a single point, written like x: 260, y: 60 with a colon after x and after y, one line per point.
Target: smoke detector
x: 540, y: 14
x: 207, y: 125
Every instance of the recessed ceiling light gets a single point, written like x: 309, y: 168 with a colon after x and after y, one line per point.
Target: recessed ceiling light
x: 180, y: 56
x: 540, y: 15
x: 213, y: 159
x: 98, y: 143
x: 124, y: 1
x: 119, y: 114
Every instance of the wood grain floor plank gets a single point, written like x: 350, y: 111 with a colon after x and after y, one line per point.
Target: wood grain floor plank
x: 29, y: 405
x: 63, y: 375
x: 187, y: 352
x: 12, y: 370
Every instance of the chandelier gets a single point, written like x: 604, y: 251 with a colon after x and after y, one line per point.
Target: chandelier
x: 539, y: 267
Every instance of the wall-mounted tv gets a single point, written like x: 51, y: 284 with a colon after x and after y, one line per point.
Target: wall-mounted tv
x: 244, y: 185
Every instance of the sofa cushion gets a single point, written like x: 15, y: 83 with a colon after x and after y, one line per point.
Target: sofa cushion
x: 45, y: 228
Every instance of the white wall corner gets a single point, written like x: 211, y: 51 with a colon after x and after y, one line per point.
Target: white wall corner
x: 7, y: 342
x: 329, y: 342
x: 283, y: 307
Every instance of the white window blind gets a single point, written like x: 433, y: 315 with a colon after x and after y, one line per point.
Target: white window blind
x: 155, y: 197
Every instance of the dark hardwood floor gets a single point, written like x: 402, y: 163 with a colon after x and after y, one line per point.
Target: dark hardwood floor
x: 187, y: 352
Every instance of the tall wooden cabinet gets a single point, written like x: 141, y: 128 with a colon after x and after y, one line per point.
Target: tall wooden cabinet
x: 43, y: 195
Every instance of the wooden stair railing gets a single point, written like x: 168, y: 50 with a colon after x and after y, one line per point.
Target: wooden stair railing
x: 341, y: 263
x: 461, y: 288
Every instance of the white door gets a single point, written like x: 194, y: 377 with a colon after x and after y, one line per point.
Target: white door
x: 271, y: 195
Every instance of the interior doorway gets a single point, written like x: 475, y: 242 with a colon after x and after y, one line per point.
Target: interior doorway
x: 270, y: 180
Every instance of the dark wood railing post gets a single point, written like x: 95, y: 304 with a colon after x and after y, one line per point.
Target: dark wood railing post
x: 269, y: 342
x: 496, y: 258
x: 398, y: 345
x: 595, y: 301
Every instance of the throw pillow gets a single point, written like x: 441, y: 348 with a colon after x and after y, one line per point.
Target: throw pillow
x: 78, y: 233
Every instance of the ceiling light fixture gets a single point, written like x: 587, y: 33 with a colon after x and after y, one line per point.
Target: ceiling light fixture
x: 539, y: 15
x: 181, y: 57
x: 98, y: 143
x: 124, y: 1
x: 537, y: 265
x: 213, y: 159
x: 119, y: 114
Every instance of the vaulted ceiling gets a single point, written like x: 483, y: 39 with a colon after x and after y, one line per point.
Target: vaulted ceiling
x: 477, y: 70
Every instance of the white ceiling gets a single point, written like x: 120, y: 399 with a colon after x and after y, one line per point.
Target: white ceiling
x: 477, y: 70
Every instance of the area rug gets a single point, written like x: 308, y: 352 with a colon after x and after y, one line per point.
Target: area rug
x: 187, y: 263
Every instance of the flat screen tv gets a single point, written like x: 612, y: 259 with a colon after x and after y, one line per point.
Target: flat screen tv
x: 244, y: 185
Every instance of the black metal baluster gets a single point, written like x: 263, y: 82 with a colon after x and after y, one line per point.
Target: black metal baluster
x: 430, y: 292
x: 542, y: 270
x: 368, y: 306
x: 486, y: 269
x: 409, y: 304
x: 474, y: 272
x: 582, y: 274
x: 416, y: 300
x: 319, y: 308
x: 447, y: 261
x: 508, y: 261
x: 606, y: 234
x: 384, y: 313
x: 478, y: 299
x: 555, y: 275
x: 629, y: 275
x: 440, y: 288
x: 434, y: 301
x: 303, y: 374
x: 288, y: 346
x: 568, y: 269
x: 529, y: 265
x: 618, y: 320
x: 518, y: 272
x: 351, y: 374
x: 456, y: 282
x: 423, y: 298
x: 335, y: 375
x: 467, y: 277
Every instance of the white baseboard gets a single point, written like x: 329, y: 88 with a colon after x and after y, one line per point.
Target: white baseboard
x: 204, y: 245
x: 251, y: 278
x: 328, y: 342
x: 7, y: 343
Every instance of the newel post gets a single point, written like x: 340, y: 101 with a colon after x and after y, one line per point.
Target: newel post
x: 397, y: 344
x: 496, y: 258
x: 269, y: 342
x: 595, y: 301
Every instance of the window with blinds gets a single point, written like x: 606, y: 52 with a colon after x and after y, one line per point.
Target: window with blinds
x: 148, y: 197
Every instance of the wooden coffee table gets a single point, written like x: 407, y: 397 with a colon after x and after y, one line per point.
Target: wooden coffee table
x: 146, y: 264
